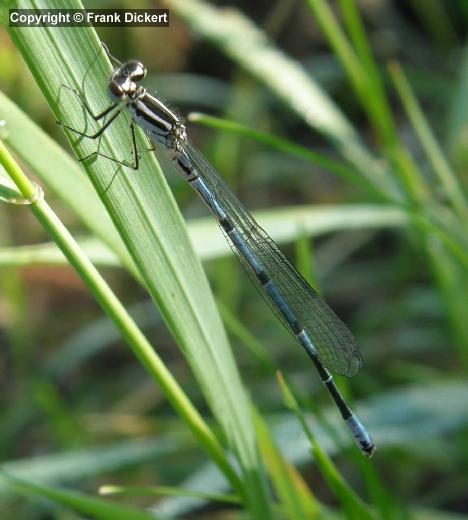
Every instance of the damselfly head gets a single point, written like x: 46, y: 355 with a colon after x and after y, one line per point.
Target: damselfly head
x: 133, y: 69
x: 123, y: 83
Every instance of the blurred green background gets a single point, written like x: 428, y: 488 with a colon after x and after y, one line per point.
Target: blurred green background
x: 384, y: 242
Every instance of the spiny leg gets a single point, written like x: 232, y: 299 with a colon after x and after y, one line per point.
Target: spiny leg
x: 135, y: 152
x: 99, y: 116
x: 98, y: 133
x: 88, y: 109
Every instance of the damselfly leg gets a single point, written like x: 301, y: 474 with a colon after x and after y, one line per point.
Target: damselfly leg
x: 118, y: 109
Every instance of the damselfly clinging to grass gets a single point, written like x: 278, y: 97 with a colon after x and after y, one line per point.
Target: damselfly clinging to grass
x: 325, y: 338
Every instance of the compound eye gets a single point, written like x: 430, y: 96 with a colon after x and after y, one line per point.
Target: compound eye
x: 135, y: 70
x: 116, y: 91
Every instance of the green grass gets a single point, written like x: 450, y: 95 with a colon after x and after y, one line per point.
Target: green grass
x: 390, y: 243
x: 161, y: 259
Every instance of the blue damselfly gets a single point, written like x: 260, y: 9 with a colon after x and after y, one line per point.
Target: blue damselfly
x: 325, y: 338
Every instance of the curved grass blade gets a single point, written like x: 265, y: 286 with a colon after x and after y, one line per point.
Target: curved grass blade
x: 247, y: 45
x: 352, y: 504
x: 280, y: 144
x: 150, y: 224
x: 61, y: 173
x: 33, y: 196
x: 96, y: 507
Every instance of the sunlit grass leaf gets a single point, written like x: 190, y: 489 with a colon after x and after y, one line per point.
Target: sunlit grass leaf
x: 146, y: 216
x: 168, y: 492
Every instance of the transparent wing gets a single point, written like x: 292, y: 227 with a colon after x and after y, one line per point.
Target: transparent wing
x: 335, y: 345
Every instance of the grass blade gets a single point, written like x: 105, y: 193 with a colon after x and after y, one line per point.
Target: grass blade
x: 117, y: 312
x: 298, y: 91
x: 96, y: 507
x: 284, y: 225
x: 168, y: 492
x: 352, y: 504
x: 447, y: 177
x: 143, y: 210
x: 295, y: 499
x: 61, y: 173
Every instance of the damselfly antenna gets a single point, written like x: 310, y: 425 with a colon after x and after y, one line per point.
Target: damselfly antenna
x: 115, y: 62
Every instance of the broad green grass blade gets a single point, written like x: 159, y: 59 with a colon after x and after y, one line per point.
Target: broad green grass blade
x: 247, y: 45
x: 96, y: 508
x: 116, y: 311
x: 146, y: 216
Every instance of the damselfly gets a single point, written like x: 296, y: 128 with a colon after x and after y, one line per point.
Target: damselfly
x: 325, y: 338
